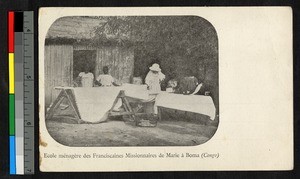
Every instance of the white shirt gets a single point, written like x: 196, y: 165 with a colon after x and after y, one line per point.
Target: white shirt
x: 105, y: 80
x: 153, y: 81
x: 87, y: 79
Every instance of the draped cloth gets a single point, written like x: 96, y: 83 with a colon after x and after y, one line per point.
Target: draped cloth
x: 95, y: 103
x: 191, y: 103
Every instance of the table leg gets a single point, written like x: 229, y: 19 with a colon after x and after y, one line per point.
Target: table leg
x: 54, y: 105
x: 159, y: 113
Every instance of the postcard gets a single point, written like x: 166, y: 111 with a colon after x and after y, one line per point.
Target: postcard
x: 165, y: 89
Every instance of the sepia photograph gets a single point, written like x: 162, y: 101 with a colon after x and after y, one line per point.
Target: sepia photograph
x: 131, y: 81
x: 165, y: 89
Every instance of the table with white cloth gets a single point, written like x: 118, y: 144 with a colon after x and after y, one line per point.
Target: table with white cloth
x: 95, y: 104
x: 190, y: 103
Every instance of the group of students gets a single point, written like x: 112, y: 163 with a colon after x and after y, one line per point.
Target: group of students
x: 86, y: 78
x: 152, y: 80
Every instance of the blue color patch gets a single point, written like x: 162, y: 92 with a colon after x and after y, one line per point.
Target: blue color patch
x: 12, y: 155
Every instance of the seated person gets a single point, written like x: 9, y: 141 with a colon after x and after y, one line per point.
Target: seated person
x: 172, y: 86
x: 106, y: 79
x: 187, y: 85
x: 86, y: 78
x: 137, y: 80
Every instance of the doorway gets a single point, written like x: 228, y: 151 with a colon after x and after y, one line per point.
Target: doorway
x: 81, y: 59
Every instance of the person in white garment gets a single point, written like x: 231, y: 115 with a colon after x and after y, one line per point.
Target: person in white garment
x: 86, y: 78
x: 154, y: 79
x: 106, y: 79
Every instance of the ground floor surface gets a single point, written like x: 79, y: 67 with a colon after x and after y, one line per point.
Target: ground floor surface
x: 118, y: 132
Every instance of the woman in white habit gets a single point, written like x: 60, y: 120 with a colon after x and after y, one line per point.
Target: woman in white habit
x: 154, y: 79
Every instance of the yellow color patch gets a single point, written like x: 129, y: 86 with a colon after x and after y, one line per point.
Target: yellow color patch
x: 11, y: 68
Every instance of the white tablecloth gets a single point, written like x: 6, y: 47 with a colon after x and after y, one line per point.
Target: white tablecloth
x: 191, y: 103
x: 94, y: 103
x: 135, y: 91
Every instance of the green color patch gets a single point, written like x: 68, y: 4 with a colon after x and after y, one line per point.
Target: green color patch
x: 11, y: 114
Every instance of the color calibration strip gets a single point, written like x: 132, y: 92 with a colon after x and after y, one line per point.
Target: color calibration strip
x: 21, y: 89
x: 11, y: 68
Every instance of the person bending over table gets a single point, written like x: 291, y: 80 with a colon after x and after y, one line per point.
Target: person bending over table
x: 86, y: 78
x: 106, y: 79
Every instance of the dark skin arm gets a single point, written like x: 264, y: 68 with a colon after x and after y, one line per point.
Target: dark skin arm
x: 77, y: 81
x: 115, y: 84
x: 98, y: 83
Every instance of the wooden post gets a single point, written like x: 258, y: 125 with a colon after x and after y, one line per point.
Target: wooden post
x: 72, y: 100
x: 64, y: 95
x: 72, y: 105
x: 159, y: 113
x: 130, y: 109
x: 56, y: 103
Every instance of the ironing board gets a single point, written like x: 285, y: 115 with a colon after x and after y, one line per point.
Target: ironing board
x: 82, y: 110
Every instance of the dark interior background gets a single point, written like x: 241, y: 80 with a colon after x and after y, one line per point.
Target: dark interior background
x: 81, y: 59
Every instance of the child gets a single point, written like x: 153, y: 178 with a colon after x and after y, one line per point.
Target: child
x: 106, y: 79
x: 86, y: 78
x: 172, y: 86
